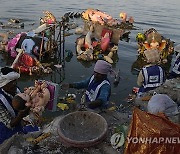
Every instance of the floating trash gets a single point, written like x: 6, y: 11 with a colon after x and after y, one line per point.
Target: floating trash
x: 113, y: 108
x: 58, y: 66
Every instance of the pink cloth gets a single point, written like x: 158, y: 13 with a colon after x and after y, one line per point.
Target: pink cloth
x: 12, y: 44
x: 103, y: 67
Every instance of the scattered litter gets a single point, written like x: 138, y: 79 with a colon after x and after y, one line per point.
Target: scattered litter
x: 63, y: 106
x: 112, y: 108
x: 58, y: 66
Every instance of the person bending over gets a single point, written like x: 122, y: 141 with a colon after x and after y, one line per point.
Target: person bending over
x: 98, y: 87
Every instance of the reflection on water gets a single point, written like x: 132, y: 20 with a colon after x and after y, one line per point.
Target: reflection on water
x: 163, y: 15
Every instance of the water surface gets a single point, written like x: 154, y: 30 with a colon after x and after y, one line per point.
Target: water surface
x: 163, y: 15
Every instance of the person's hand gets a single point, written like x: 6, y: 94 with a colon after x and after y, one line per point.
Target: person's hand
x: 23, y: 113
x: 82, y: 107
x: 65, y: 86
x: 95, y: 104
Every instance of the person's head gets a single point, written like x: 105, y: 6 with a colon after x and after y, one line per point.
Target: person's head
x: 18, y: 103
x: 152, y: 56
x: 101, y: 70
x: 8, y: 80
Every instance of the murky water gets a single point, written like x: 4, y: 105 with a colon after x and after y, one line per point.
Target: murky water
x: 163, y: 15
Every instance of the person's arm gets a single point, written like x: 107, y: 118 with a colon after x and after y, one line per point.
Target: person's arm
x: 88, y: 40
x: 140, y: 79
x: 7, y: 119
x: 15, y: 121
x: 80, y: 85
x: 102, y: 98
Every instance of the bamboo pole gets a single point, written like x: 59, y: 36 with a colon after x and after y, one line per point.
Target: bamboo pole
x: 40, y: 54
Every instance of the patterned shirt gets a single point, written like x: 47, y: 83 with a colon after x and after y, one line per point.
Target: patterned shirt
x: 5, y: 116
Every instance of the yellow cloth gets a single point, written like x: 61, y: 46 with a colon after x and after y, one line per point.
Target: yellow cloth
x: 63, y: 106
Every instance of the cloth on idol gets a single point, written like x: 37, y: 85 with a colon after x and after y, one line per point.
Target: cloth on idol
x: 152, y: 56
x: 149, y: 133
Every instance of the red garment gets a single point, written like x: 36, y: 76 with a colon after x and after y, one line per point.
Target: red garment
x: 105, y: 41
x: 24, y: 63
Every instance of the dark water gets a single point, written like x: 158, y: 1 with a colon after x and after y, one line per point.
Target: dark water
x: 163, y: 15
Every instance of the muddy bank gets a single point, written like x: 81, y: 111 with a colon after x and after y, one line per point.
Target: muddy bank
x: 19, y: 144
x: 114, y: 117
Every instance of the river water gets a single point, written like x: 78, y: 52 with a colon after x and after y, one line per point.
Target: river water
x: 163, y: 15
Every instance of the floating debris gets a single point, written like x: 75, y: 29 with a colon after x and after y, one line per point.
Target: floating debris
x: 58, y: 66
x: 113, y: 108
x: 14, y: 20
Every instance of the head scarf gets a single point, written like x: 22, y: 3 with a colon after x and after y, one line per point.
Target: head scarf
x: 162, y: 103
x: 103, y: 67
x: 5, y: 79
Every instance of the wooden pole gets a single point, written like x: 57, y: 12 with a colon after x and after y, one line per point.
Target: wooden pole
x: 40, y: 54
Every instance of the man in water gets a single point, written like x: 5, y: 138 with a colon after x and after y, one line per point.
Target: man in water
x: 98, y: 87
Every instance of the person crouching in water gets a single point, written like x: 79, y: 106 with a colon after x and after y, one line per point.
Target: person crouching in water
x: 152, y: 75
x: 98, y: 87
